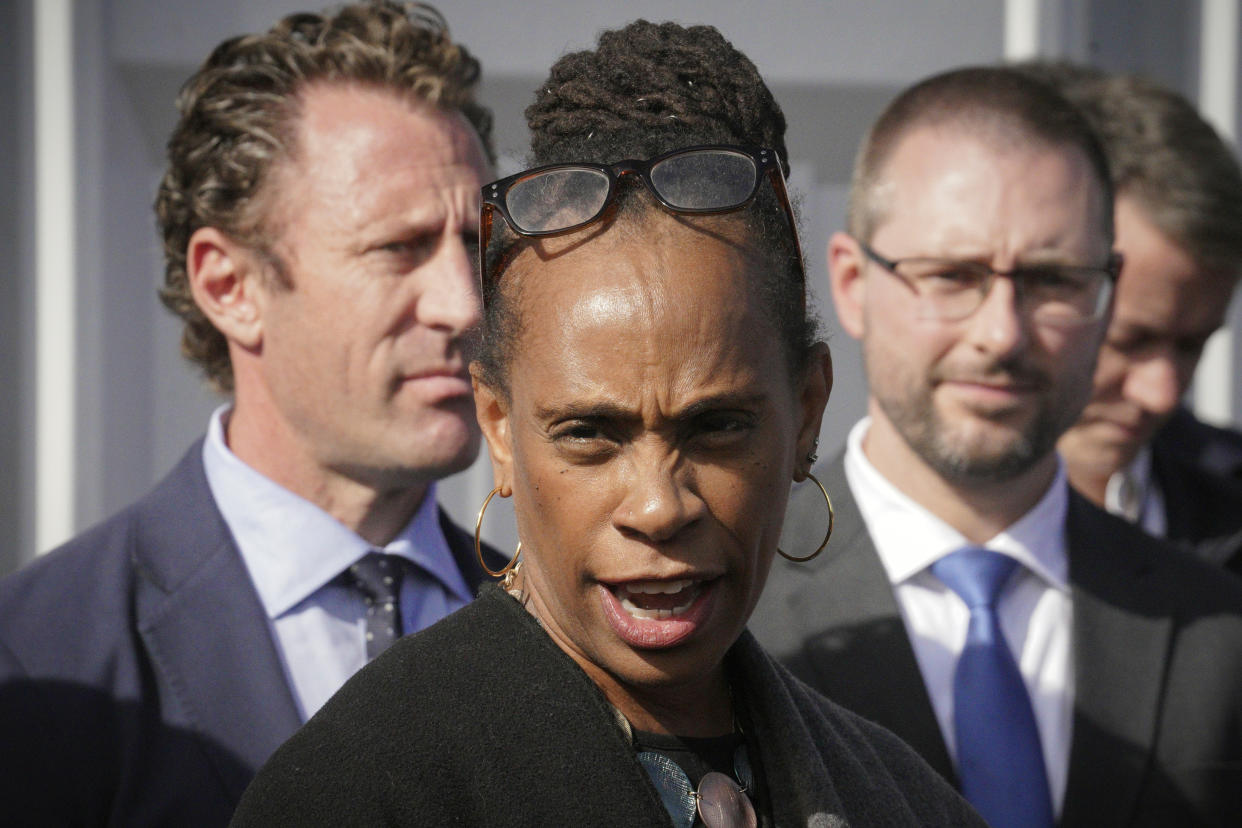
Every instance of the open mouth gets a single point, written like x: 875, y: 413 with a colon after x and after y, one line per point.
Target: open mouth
x: 658, y: 614
x: 657, y: 600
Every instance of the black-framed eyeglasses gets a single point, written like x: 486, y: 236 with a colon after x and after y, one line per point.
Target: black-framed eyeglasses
x: 560, y: 198
x: 1056, y: 295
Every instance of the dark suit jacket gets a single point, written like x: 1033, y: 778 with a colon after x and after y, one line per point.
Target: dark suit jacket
x: 1213, y: 449
x: 139, y: 683
x: 1157, y: 724
x: 1199, y: 470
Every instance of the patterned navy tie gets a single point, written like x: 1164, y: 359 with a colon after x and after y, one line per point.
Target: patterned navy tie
x: 378, y: 578
x: 999, y: 757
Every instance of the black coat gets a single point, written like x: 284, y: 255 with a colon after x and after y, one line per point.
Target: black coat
x: 1199, y: 470
x: 1215, y: 450
x: 482, y: 720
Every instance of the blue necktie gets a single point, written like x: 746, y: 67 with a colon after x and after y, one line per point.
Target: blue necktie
x: 999, y: 757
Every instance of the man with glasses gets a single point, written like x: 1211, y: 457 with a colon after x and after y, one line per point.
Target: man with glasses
x: 320, y: 222
x: 1056, y: 663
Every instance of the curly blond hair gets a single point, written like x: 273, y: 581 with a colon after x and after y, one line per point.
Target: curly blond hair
x: 238, y: 117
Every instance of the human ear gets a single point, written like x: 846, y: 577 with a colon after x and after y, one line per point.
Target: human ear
x: 845, y: 269
x: 816, y: 387
x: 492, y: 410
x: 224, y: 279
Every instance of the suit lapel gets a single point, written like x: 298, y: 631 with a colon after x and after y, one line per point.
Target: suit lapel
x: 855, y: 640
x: 1122, y: 634
x: 206, y: 631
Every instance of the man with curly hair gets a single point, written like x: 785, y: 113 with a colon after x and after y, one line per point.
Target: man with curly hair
x: 320, y: 216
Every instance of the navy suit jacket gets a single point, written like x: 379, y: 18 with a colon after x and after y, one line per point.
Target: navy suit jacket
x: 1199, y: 470
x: 1157, y: 638
x: 139, y: 683
x: 1213, y: 449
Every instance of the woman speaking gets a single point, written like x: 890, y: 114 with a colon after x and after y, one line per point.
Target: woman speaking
x: 649, y: 385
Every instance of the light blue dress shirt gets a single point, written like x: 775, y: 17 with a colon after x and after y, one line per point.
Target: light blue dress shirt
x: 294, y: 552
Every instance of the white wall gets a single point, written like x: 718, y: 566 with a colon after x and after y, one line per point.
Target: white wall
x: 832, y: 65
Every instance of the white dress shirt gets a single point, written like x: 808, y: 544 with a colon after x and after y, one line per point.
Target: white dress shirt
x: 1035, y: 608
x: 294, y: 552
x: 1133, y: 493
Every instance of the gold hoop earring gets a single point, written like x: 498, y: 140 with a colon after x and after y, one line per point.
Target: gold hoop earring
x: 478, y: 547
x: 832, y: 517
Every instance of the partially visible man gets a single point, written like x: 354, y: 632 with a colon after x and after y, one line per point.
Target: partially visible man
x: 320, y: 214
x: 1135, y: 450
x: 1057, y: 663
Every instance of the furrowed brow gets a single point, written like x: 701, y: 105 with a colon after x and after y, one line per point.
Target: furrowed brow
x: 604, y: 410
x: 718, y: 402
x: 584, y: 411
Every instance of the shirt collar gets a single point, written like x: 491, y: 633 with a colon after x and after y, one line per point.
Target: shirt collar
x: 909, y: 538
x: 1134, y: 494
x: 291, y: 547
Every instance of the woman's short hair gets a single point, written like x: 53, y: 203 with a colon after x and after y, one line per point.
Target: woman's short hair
x: 239, y: 114
x: 647, y: 89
